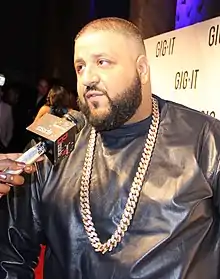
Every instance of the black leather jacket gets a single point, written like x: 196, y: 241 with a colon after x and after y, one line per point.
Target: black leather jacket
x: 174, y: 233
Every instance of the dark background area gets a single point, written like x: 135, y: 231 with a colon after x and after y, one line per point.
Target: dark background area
x: 37, y: 35
x: 37, y: 39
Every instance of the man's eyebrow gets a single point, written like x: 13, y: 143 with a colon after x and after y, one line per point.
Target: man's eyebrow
x: 95, y: 56
x: 78, y: 60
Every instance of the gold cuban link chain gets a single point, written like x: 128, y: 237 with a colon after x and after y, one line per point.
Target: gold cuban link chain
x: 135, y: 190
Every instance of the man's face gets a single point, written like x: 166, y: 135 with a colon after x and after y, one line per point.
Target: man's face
x: 13, y: 96
x: 43, y: 87
x: 108, y: 85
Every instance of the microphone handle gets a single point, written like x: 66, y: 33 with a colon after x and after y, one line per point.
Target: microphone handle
x: 29, y: 157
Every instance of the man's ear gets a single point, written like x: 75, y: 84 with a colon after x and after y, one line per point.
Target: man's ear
x: 143, y: 68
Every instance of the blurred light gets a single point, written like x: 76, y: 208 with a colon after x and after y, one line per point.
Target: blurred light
x: 189, y: 12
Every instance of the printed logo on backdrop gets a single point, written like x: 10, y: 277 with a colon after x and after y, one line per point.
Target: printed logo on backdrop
x: 210, y: 113
x: 185, y: 80
x: 185, y: 66
x: 214, y: 35
x: 165, y: 47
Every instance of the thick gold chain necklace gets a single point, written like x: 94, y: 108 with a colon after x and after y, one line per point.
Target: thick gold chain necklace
x: 134, y: 194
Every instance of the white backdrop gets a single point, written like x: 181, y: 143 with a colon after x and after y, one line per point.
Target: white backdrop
x: 185, y: 66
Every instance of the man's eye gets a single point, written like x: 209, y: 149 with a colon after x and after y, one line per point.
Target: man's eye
x: 103, y: 62
x: 79, y: 68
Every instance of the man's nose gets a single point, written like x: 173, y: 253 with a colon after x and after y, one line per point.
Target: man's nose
x: 90, y: 78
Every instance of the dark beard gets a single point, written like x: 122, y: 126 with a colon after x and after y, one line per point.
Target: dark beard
x: 121, y: 109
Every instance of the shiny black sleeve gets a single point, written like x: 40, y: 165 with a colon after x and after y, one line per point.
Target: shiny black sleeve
x: 21, y: 230
x: 209, y: 154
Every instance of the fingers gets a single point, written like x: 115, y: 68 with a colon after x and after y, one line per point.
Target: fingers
x: 12, y: 179
x: 4, y: 189
x: 7, y: 163
x: 30, y: 169
x: 10, y: 164
x: 8, y: 180
x: 15, y: 156
x: 41, y: 158
x: 12, y: 156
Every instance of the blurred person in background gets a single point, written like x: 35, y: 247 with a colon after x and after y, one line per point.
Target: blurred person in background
x: 43, y: 87
x: 6, y: 123
x: 73, y: 99
x: 12, y: 94
x: 58, y: 102
x: 17, y: 95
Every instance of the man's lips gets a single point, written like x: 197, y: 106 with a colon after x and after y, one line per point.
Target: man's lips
x: 91, y: 94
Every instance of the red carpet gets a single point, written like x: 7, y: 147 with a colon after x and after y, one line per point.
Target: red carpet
x: 39, y: 269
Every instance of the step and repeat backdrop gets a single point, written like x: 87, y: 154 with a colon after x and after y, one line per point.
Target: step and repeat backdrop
x: 185, y: 66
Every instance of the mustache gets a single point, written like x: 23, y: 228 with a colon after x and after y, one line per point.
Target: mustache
x: 94, y: 88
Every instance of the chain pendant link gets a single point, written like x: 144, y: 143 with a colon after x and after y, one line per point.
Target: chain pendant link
x: 135, y: 190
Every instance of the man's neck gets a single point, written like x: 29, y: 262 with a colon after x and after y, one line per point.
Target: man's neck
x: 144, y: 111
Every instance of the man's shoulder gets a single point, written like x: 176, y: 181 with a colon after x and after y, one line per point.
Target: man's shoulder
x: 6, y: 108
x: 189, y: 124
x: 182, y: 113
x: 6, y: 105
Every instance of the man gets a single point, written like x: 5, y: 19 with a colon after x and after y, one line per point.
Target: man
x: 41, y: 98
x: 42, y: 89
x: 6, y: 123
x: 138, y: 197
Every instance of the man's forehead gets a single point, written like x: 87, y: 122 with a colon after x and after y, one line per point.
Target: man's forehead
x: 108, y: 42
x: 42, y: 82
x: 98, y: 34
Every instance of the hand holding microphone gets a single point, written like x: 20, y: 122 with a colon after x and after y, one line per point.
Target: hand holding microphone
x: 8, y: 162
x: 56, y: 138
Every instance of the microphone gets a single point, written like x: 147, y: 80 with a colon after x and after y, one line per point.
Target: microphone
x: 56, y: 135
